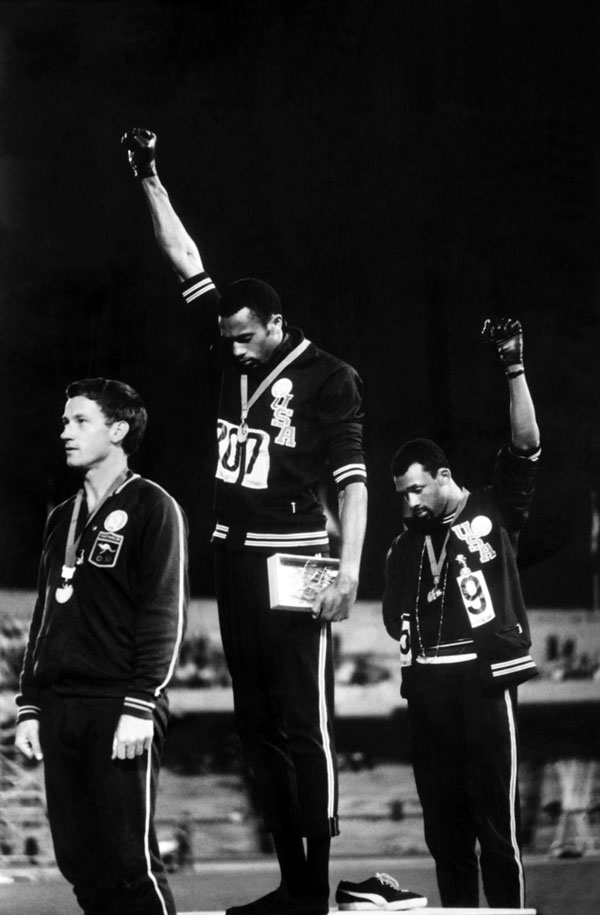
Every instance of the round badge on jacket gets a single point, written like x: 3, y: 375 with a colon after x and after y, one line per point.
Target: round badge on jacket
x: 481, y: 526
x: 282, y: 387
x: 116, y: 520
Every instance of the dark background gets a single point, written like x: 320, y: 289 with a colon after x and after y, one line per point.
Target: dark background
x: 397, y: 169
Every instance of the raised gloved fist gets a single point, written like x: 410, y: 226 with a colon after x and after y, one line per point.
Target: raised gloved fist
x: 141, y: 151
x: 506, y: 336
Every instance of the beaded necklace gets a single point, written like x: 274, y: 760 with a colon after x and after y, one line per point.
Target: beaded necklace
x: 436, y: 571
x: 442, y: 594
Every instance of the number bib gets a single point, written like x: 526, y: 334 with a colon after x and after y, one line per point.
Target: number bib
x: 476, y: 597
x: 243, y: 461
x: 405, y: 646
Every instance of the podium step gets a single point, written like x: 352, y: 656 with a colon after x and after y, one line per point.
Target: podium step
x: 424, y: 911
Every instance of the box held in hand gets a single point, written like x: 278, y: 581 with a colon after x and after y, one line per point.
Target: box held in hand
x: 295, y: 581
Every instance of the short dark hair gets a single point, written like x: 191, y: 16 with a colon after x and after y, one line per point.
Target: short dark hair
x: 418, y: 451
x: 250, y: 293
x: 118, y: 402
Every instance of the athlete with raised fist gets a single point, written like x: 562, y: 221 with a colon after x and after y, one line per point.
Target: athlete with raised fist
x: 288, y: 412
x: 506, y: 335
x: 453, y: 600
x: 141, y: 152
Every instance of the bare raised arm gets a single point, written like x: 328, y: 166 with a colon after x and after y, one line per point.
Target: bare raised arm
x: 506, y: 336
x: 172, y: 238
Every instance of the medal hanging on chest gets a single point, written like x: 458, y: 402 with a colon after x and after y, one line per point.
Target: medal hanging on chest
x: 435, y: 592
x: 242, y: 434
x: 246, y: 403
x: 242, y: 431
x: 436, y: 566
x: 64, y: 591
x: 432, y: 595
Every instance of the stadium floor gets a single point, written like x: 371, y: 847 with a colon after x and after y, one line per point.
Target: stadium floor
x: 555, y: 887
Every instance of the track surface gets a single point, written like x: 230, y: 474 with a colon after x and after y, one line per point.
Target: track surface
x: 563, y: 887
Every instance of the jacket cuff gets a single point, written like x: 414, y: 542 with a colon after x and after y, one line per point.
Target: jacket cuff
x: 531, y: 454
x: 198, y: 286
x: 138, y: 707
x: 28, y: 712
x: 349, y: 473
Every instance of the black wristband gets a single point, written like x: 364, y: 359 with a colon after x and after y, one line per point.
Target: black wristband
x: 511, y: 375
x: 144, y: 170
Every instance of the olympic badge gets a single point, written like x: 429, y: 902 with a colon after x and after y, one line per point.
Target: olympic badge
x: 106, y: 549
x: 116, y: 520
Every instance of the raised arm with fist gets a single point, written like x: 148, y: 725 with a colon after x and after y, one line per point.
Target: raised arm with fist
x: 140, y: 144
x: 506, y: 336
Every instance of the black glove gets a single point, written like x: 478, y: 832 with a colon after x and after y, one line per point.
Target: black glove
x: 141, y: 151
x: 506, y: 336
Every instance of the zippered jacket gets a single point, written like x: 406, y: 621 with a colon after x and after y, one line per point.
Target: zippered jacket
x: 483, y: 579
x: 307, y: 422
x: 120, y: 632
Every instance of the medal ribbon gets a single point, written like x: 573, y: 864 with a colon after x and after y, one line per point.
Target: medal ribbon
x: 437, y: 565
x: 73, y: 541
x: 247, y: 404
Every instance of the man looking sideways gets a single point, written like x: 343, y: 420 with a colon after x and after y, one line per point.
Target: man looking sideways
x: 103, y: 644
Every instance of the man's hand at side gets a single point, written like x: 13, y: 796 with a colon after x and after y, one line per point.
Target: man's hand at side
x: 27, y: 739
x: 334, y: 603
x: 132, y: 737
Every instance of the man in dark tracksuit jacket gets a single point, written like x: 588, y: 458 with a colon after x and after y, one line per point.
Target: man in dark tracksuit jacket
x: 453, y: 600
x: 103, y: 644
x: 288, y: 412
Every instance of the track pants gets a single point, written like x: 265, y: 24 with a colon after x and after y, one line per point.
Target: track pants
x: 464, y: 750
x: 101, y: 810
x: 281, y: 666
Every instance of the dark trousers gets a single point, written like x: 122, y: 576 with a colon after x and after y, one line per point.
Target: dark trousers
x: 101, y: 810
x: 281, y: 666
x: 464, y: 749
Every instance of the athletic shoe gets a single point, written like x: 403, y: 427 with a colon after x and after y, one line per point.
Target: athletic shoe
x: 280, y: 902
x: 380, y: 892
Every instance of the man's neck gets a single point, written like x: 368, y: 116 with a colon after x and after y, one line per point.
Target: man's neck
x: 455, y: 498
x: 98, y: 479
x: 281, y: 347
x: 261, y: 371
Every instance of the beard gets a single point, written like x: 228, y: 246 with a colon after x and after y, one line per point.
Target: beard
x: 425, y: 523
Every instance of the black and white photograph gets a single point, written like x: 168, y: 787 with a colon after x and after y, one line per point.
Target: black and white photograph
x: 300, y: 464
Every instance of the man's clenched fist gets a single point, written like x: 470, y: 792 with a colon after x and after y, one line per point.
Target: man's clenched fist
x: 506, y: 336
x: 141, y: 151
